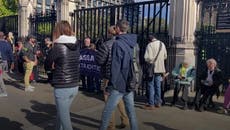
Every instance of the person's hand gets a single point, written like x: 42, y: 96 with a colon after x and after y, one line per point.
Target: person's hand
x: 106, y: 93
x: 35, y: 62
x: 12, y: 66
x: 179, y: 77
x: 210, y: 83
x: 53, y: 66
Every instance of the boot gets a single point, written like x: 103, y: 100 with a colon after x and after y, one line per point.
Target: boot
x: 185, y: 106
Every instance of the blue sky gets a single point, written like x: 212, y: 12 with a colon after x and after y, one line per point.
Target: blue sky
x: 152, y: 9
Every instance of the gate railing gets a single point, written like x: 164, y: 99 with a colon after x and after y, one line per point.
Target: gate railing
x: 211, y: 42
x: 145, y: 18
x: 9, y: 24
x: 41, y: 26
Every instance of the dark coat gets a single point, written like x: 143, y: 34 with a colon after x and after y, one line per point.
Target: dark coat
x: 6, y: 51
x: 103, y: 58
x: 217, y: 78
x: 122, y: 51
x: 65, y: 56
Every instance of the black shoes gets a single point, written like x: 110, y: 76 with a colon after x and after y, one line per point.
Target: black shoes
x: 185, y: 106
x: 121, y: 126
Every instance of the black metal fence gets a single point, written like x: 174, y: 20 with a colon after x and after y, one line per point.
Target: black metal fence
x: 211, y: 41
x: 9, y: 24
x: 42, y: 25
x: 145, y: 18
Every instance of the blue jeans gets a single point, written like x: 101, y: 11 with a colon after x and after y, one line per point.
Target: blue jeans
x: 113, y: 99
x: 63, y: 99
x: 155, y: 90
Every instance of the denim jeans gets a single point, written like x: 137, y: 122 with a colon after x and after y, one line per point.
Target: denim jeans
x: 154, y: 87
x: 63, y: 99
x: 113, y: 99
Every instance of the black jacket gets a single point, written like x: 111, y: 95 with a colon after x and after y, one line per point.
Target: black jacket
x: 103, y: 58
x: 217, y: 77
x: 65, y: 57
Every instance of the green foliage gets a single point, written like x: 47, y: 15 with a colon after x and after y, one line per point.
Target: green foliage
x: 44, y: 28
x: 8, y: 7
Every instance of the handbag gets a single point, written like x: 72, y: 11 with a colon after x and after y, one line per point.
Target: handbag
x: 151, y: 66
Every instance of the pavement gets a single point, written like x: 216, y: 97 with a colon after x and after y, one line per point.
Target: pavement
x: 36, y: 111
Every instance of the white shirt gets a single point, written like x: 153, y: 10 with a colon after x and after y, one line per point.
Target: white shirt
x: 209, y: 78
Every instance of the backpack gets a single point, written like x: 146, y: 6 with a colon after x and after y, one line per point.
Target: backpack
x: 131, y: 79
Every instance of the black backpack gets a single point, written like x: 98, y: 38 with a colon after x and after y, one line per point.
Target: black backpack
x: 131, y: 79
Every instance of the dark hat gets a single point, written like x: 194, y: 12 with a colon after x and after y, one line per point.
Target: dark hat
x: 31, y: 36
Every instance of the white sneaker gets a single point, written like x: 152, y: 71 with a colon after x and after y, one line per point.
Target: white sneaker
x: 32, y: 87
x: 29, y: 89
x: 3, y: 95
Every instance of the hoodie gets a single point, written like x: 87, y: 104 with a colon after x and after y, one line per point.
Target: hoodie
x: 64, y: 61
x: 6, y: 51
x: 122, y: 52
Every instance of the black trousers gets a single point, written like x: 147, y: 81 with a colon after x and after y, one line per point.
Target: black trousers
x: 177, y: 89
x: 207, y: 93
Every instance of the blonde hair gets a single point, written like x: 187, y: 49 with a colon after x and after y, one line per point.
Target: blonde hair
x: 111, y: 30
x: 62, y: 28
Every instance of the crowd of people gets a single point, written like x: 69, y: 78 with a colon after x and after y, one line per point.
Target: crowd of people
x: 111, y: 68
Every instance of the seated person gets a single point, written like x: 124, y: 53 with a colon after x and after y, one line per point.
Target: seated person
x: 209, y: 82
x: 183, y: 74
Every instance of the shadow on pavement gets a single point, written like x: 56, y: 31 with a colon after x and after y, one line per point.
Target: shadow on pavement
x: 158, y: 126
x: 15, y: 84
x: 44, y: 115
x: 6, y: 124
x: 98, y: 96
x: 84, y: 120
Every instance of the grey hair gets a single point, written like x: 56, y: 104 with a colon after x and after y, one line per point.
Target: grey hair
x: 211, y: 60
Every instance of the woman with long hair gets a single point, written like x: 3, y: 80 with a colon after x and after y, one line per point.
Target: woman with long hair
x: 64, y: 61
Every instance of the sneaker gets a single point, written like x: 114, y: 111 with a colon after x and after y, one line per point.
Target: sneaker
x: 3, y: 95
x: 29, y: 89
x: 157, y: 106
x: 148, y: 107
x: 185, y: 107
x: 121, y: 126
x: 32, y: 87
x: 11, y: 72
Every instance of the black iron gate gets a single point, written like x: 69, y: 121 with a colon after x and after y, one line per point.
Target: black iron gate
x: 41, y: 25
x: 145, y: 18
x: 213, y: 37
x: 9, y: 24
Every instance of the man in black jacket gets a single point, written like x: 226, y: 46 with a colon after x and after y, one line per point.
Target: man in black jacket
x: 103, y: 58
x: 209, y: 81
x: 122, y: 59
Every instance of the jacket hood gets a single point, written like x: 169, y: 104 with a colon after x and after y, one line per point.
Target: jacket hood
x: 68, y: 41
x: 130, y: 39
